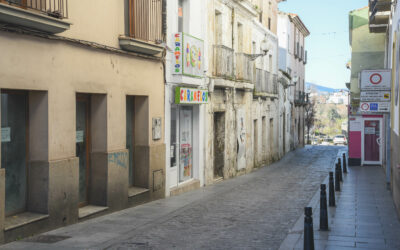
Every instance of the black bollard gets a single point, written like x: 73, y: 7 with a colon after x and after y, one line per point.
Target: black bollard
x: 323, y: 210
x: 344, y: 164
x: 340, y: 170
x: 332, y: 202
x: 308, y: 229
x: 337, y: 179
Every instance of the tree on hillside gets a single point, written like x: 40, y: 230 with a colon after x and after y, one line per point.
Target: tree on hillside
x: 333, y: 115
x: 310, y: 117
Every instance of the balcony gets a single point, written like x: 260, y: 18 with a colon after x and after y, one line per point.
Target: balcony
x: 40, y: 15
x: 301, y: 98
x: 145, y: 27
x: 223, y: 61
x: 244, y: 67
x: 265, y: 83
x: 379, y: 14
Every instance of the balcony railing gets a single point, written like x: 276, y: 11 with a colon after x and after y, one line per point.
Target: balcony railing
x: 145, y: 19
x: 266, y: 82
x: 301, y: 98
x: 244, y: 67
x: 223, y: 61
x: 53, y: 8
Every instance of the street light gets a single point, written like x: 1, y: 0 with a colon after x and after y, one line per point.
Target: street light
x: 265, y: 48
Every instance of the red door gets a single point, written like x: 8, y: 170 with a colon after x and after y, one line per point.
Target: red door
x: 371, y: 141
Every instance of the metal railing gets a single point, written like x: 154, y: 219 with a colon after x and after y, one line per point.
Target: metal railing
x: 223, y: 61
x: 244, y: 67
x: 145, y: 20
x: 301, y: 98
x: 266, y: 82
x: 53, y: 8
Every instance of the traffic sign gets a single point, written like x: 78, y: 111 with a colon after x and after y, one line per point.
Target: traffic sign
x: 375, y: 79
x: 375, y: 96
x: 375, y: 107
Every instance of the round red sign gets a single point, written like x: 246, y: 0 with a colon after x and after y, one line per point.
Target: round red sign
x: 365, y: 106
x: 375, y: 78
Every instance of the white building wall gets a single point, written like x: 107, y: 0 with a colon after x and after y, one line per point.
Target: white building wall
x: 195, y: 19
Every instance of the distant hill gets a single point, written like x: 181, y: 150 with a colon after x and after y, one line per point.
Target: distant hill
x: 320, y: 88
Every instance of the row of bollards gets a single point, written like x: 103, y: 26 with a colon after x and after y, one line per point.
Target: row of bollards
x: 334, y: 185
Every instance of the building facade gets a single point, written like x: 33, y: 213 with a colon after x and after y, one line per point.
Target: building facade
x: 186, y: 95
x: 387, y: 21
x: 82, y: 121
x: 367, y: 53
x: 292, y: 60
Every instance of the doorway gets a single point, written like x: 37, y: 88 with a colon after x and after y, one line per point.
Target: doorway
x: 372, y: 141
x: 83, y: 146
x: 219, y: 144
x: 130, y: 128
x: 255, y: 144
x: 182, y: 167
x: 14, y: 149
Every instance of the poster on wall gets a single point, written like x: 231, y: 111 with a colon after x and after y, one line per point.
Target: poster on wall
x: 188, y: 55
x: 241, y: 138
x: 355, y: 123
x: 395, y: 89
x: 186, y: 149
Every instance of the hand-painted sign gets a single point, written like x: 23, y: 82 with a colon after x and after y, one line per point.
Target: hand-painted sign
x: 375, y: 96
x: 190, y: 96
x: 380, y: 107
x: 188, y: 55
x: 375, y: 79
x: 6, y: 134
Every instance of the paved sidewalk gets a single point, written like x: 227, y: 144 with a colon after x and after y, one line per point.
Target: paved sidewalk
x: 364, y: 216
x: 253, y: 211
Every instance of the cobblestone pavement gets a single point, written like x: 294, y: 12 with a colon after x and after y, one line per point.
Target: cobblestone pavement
x: 253, y: 211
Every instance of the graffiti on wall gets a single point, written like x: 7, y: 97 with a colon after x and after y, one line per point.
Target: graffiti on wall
x: 120, y: 159
x: 241, y: 138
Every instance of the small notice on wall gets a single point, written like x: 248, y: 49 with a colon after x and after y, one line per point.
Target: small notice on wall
x: 6, y: 134
x: 79, y: 136
x: 355, y: 124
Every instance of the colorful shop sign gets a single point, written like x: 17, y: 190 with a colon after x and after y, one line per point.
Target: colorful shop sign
x: 190, y: 96
x: 188, y: 55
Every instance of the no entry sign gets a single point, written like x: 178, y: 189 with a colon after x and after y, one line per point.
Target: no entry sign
x: 375, y: 79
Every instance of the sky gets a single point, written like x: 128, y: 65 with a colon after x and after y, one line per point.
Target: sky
x: 328, y: 44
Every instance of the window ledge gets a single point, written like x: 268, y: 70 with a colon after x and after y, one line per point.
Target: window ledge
x: 89, y: 210
x: 22, y: 219
x: 138, y: 46
x: 133, y: 191
x: 18, y: 16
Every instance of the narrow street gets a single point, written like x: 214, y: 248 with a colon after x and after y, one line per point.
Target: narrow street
x: 253, y: 211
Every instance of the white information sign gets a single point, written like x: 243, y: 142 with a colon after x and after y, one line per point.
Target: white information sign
x: 6, y: 134
x: 375, y: 79
x: 369, y: 131
x: 355, y: 124
x: 79, y: 136
x: 375, y: 96
x: 380, y: 107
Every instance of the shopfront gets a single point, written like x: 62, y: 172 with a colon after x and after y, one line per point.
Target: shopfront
x: 184, y: 136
